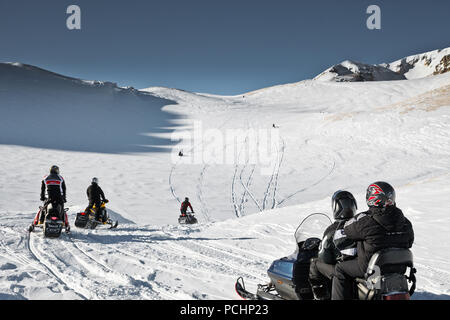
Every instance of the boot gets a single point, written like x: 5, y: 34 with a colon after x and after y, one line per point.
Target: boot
x: 321, y: 292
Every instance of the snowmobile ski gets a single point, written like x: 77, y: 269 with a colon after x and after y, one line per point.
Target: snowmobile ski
x: 264, y: 292
x: 242, y: 292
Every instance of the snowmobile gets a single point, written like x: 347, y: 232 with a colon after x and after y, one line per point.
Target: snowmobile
x: 385, y: 278
x: 86, y: 220
x: 53, y: 222
x: 188, y: 218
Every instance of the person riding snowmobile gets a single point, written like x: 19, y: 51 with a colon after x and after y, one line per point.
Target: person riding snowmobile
x: 184, y: 206
x: 382, y: 226
x: 321, y: 271
x: 55, y: 187
x: 96, y: 196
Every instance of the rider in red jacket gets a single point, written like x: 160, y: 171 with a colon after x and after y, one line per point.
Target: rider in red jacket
x: 184, y: 206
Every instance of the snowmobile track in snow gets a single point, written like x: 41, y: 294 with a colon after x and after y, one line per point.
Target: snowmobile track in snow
x: 56, y: 274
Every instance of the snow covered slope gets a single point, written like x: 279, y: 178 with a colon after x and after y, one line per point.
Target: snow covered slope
x: 327, y: 136
x: 422, y: 65
x: 412, y: 67
x: 350, y: 71
x: 45, y: 110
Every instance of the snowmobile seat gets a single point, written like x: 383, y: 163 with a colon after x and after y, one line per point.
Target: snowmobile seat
x: 392, y: 260
x: 386, y: 273
x: 55, y: 209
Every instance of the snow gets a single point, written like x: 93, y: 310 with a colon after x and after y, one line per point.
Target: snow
x: 329, y: 136
x: 412, y: 67
x: 349, y: 71
x: 422, y: 65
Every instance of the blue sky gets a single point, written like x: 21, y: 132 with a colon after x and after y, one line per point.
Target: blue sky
x: 223, y: 47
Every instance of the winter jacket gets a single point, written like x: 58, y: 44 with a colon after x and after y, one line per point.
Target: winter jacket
x: 376, y: 229
x: 185, y: 205
x: 329, y: 251
x: 345, y: 245
x: 55, y: 186
x: 95, y: 193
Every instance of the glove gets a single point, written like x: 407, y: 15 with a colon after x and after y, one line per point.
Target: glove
x: 43, y: 199
x: 64, y: 200
x: 106, y: 201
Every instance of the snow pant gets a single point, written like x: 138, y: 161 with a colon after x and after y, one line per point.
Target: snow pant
x: 344, y: 279
x: 97, y: 208
x: 320, y: 276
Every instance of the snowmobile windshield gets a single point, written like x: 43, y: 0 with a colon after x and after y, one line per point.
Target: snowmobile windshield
x: 313, y: 226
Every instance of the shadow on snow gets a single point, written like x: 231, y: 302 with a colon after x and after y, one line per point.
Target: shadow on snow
x: 45, y: 110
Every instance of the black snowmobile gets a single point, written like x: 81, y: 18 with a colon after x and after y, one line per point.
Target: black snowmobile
x: 385, y: 278
x: 188, y: 218
x: 86, y: 220
x: 53, y: 222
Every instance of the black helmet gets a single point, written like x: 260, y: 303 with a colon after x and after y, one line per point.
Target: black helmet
x: 380, y: 194
x: 343, y: 205
x: 95, y: 180
x: 54, y: 170
x: 186, y: 199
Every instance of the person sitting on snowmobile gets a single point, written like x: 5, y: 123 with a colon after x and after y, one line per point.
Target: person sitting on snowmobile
x: 321, y: 270
x: 382, y: 226
x: 184, y: 206
x: 96, y: 196
x: 55, y: 187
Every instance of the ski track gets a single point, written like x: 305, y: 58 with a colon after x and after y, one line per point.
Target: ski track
x: 308, y: 187
x: 189, y: 257
x: 248, y: 184
x: 210, y: 254
x: 173, y: 168
x: 144, y: 289
x: 275, y: 188
x: 203, y: 207
x: 49, y: 264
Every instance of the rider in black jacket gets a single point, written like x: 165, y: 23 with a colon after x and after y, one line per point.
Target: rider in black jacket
x: 321, y: 270
x: 54, y: 186
x: 96, y: 196
x: 382, y: 226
